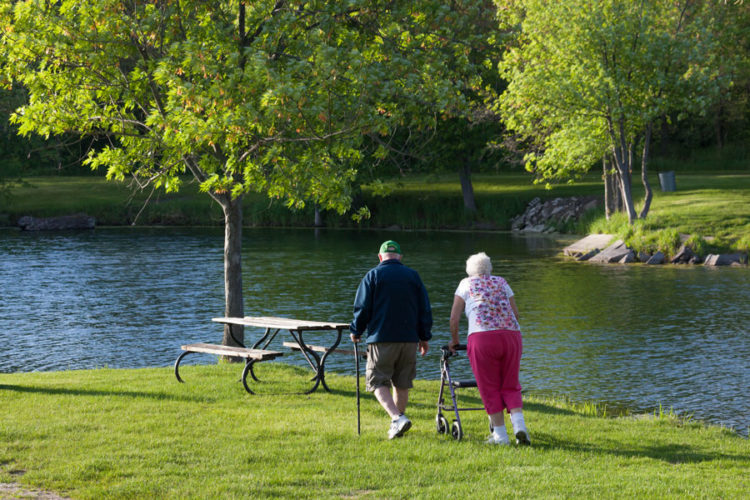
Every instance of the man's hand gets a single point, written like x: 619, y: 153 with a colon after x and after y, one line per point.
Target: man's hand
x: 424, y: 346
x: 354, y: 338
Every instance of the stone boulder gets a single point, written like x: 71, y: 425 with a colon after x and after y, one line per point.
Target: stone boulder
x: 733, y: 259
x: 586, y: 256
x: 685, y: 255
x: 541, y: 216
x: 656, y: 259
x: 587, y: 247
x: 630, y: 257
x: 62, y: 223
x: 613, y: 253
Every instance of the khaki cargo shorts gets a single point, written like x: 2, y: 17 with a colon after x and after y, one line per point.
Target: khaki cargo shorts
x: 391, y: 363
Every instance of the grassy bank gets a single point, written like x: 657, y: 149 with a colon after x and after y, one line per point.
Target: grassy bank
x: 714, y: 208
x: 140, y: 434
x: 433, y: 202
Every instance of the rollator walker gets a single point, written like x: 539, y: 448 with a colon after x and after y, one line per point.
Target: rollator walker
x: 447, y: 381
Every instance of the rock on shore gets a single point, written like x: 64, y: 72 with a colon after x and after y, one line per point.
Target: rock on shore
x: 597, y: 248
x: 541, y: 216
x: 65, y: 222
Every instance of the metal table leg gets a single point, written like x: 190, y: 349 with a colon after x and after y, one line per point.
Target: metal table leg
x: 322, y: 368
x: 312, y: 358
x: 177, y: 365
x: 265, y: 340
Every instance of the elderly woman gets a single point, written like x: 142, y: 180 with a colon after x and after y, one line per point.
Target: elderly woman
x: 494, y: 345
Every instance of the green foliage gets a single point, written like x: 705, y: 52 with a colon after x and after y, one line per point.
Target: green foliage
x: 587, y: 79
x: 638, y: 236
x: 262, y: 96
x: 743, y: 244
x: 141, y: 434
x: 22, y: 156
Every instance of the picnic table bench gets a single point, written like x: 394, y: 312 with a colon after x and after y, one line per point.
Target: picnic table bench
x: 260, y: 352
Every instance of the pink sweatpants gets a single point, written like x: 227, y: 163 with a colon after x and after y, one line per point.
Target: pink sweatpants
x: 495, y: 358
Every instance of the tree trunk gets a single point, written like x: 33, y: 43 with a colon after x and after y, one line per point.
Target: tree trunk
x: 318, y: 217
x: 466, y: 187
x: 644, y: 172
x: 622, y: 163
x: 617, y: 186
x: 611, y: 189
x: 233, y: 303
x: 626, y: 190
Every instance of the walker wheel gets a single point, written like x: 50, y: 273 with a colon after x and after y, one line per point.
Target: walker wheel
x: 442, y: 423
x: 456, y: 431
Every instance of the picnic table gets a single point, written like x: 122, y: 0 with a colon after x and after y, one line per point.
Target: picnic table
x: 260, y: 352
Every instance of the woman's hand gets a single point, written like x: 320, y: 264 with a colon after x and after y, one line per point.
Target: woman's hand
x: 452, y: 345
x: 456, y: 310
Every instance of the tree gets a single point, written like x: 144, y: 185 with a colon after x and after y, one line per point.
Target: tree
x: 589, y: 79
x: 267, y: 96
x: 459, y: 140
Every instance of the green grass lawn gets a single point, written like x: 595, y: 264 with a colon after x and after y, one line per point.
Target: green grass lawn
x: 140, y: 434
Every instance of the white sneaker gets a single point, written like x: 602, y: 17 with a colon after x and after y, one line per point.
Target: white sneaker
x: 399, y: 427
x: 495, y: 439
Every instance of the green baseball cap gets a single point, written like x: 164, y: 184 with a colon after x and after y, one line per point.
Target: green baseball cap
x: 390, y: 246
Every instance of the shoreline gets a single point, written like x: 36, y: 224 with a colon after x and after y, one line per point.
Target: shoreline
x: 606, y: 249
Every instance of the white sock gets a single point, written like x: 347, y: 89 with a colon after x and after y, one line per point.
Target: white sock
x: 500, y: 432
x: 517, y: 420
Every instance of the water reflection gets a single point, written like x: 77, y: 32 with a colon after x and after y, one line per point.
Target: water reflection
x: 627, y: 335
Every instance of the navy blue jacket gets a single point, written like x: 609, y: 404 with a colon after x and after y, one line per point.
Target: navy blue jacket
x: 391, y: 305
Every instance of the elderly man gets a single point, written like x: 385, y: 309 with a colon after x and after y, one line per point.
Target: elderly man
x: 392, y: 307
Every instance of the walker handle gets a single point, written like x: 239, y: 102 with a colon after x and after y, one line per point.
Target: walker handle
x: 447, y: 351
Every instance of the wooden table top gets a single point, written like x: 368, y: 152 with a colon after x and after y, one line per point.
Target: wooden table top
x: 282, y: 323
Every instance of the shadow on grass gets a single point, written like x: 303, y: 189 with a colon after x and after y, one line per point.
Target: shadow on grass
x: 91, y: 392
x: 464, y: 401
x: 670, y: 453
x: 548, y: 409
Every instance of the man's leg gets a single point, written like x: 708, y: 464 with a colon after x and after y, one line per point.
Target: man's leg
x: 401, y: 398
x: 381, y: 359
x: 384, y: 397
x: 399, y: 423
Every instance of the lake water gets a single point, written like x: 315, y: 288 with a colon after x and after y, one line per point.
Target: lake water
x: 625, y: 335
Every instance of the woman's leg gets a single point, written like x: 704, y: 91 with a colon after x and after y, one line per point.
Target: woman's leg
x: 486, y: 364
x: 512, y: 345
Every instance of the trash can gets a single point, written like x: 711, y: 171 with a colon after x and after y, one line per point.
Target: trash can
x: 666, y: 179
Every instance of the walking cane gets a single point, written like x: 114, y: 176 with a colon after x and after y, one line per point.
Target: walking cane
x: 356, y: 363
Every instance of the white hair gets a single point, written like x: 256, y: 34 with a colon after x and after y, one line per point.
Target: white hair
x: 478, y: 264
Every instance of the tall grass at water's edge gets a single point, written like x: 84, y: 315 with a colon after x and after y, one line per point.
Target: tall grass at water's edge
x: 140, y: 434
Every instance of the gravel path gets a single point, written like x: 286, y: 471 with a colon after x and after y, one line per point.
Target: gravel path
x: 15, y: 491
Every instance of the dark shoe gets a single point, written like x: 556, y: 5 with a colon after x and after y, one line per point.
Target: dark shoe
x: 522, y: 439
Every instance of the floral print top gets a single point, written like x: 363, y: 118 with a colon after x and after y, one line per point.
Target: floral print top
x: 487, y: 301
